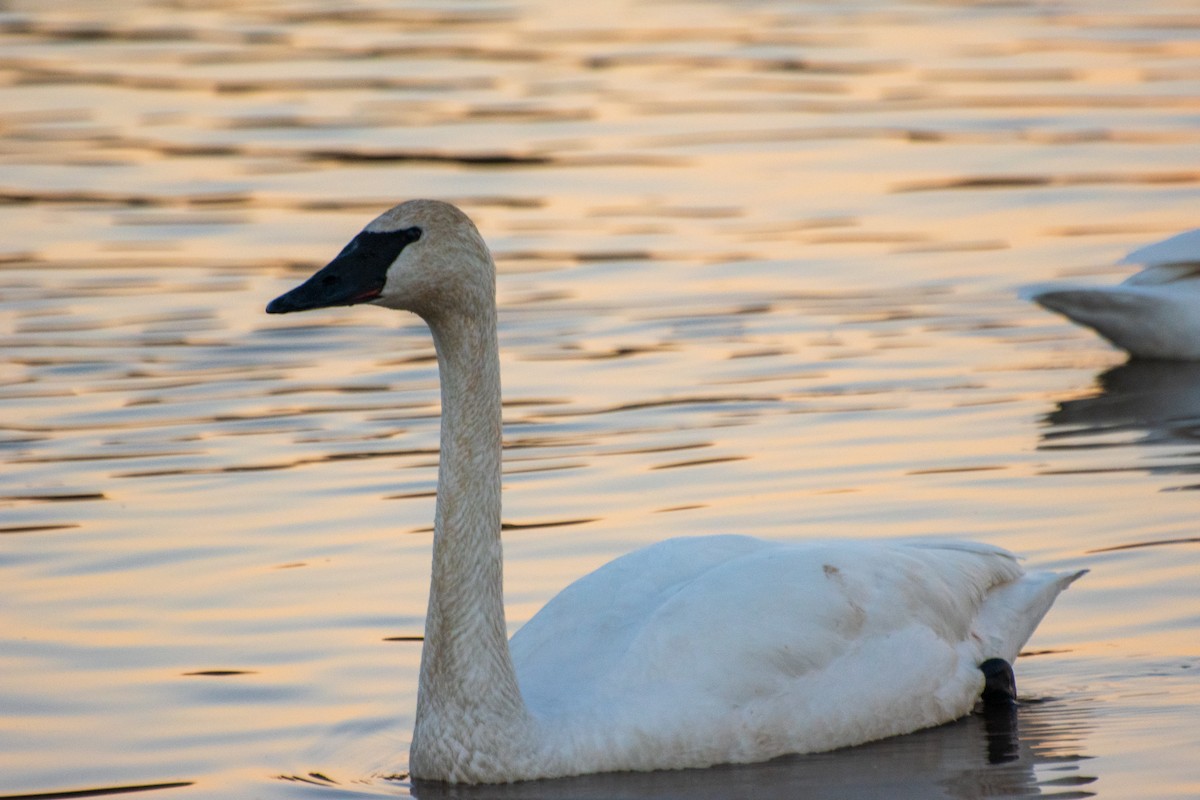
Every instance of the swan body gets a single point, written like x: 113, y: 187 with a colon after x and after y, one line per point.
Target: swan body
x: 1152, y: 314
x: 687, y: 653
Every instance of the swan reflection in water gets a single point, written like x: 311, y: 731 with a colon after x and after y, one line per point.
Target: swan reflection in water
x: 1156, y: 401
x: 1036, y: 748
x: 977, y: 756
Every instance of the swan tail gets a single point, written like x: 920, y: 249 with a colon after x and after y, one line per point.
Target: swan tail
x: 1011, y: 612
x: 1136, y: 319
x: 1092, y: 306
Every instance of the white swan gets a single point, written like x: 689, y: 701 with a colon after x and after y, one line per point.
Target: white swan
x: 688, y: 653
x: 1154, y: 313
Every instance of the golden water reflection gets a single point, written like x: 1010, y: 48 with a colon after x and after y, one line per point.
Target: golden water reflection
x: 757, y: 270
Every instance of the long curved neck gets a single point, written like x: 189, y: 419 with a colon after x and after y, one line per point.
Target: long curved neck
x: 467, y: 676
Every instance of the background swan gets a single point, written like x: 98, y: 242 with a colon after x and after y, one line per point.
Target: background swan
x: 1154, y: 313
x: 687, y: 653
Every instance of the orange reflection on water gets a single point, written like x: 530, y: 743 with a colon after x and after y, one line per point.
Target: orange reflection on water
x: 757, y: 271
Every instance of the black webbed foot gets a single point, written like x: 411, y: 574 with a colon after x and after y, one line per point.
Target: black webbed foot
x: 1000, y: 711
x: 1000, y: 685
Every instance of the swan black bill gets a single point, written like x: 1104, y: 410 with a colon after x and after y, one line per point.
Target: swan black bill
x: 356, y: 275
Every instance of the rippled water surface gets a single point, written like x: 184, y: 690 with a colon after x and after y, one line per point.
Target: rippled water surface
x: 758, y: 269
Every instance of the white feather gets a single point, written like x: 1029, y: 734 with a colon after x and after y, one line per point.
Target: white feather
x: 1154, y: 313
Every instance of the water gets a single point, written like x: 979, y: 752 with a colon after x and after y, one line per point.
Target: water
x: 758, y: 270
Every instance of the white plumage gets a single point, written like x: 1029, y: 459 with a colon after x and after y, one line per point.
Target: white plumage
x: 687, y: 653
x: 707, y: 650
x: 1152, y: 314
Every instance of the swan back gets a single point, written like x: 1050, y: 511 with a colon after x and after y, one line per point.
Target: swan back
x: 1182, y: 248
x: 1183, y: 275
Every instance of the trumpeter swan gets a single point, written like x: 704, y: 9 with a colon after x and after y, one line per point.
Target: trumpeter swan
x: 1154, y: 313
x: 688, y: 653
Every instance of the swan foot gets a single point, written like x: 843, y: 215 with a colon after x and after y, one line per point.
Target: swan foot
x: 1000, y: 685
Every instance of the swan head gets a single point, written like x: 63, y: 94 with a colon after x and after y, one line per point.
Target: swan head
x: 423, y: 256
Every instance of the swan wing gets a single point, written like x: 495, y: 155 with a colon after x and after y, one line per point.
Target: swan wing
x: 1181, y: 275
x: 699, y: 651
x: 1175, y: 260
x: 586, y: 632
x: 1182, y: 248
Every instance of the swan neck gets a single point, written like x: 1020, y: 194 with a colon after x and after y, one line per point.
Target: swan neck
x: 467, y: 675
